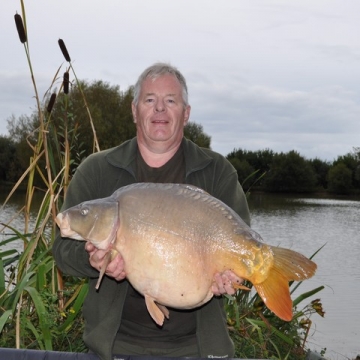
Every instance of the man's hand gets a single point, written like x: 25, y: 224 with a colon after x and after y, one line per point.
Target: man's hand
x: 226, y: 283
x: 114, y: 269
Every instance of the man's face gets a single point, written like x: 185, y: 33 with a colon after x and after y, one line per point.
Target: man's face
x: 160, y: 114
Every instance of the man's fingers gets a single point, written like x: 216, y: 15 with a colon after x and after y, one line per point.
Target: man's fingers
x: 226, y: 282
x: 233, y: 278
x: 217, y: 285
x: 89, y: 247
x: 115, y: 268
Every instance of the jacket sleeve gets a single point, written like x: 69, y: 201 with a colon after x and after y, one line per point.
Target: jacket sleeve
x: 70, y: 255
x: 229, y: 190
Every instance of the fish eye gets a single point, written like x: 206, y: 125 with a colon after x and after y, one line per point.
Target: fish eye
x: 84, y: 211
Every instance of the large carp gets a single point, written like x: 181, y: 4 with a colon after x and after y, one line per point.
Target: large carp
x: 174, y: 238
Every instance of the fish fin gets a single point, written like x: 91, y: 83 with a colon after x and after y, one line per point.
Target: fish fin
x: 276, y: 294
x: 164, y: 310
x: 240, y: 287
x: 156, y: 311
x: 293, y: 265
x: 107, y: 258
x: 274, y: 290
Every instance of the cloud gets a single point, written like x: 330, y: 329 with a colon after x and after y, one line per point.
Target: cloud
x: 266, y: 74
x: 323, y: 121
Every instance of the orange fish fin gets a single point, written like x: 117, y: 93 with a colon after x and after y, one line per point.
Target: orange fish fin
x: 164, y: 310
x: 240, y: 287
x: 276, y: 294
x: 156, y: 311
x: 293, y: 265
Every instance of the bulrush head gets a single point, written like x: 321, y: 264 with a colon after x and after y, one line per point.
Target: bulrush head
x: 64, y: 50
x: 66, y: 82
x: 20, y: 28
x: 51, y: 102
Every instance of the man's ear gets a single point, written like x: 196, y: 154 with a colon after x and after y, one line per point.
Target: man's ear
x: 187, y: 114
x: 133, y: 110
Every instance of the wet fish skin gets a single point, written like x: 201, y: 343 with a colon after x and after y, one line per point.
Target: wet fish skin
x: 175, y: 237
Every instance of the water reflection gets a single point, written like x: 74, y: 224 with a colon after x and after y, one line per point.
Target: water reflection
x: 11, y: 214
x: 17, y: 222
x: 306, y: 224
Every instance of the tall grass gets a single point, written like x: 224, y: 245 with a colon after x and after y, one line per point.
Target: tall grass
x: 40, y: 308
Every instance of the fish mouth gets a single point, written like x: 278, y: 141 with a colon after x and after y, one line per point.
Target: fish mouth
x: 63, y: 223
x: 59, y: 220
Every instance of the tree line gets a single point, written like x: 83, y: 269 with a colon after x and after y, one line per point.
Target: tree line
x: 292, y: 173
x: 110, y: 110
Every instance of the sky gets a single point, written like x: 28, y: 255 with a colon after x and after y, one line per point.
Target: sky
x: 262, y: 74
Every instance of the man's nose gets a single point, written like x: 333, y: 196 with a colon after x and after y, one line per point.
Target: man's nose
x: 159, y: 106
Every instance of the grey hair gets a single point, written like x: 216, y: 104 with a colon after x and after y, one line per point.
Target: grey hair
x: 157, y: 70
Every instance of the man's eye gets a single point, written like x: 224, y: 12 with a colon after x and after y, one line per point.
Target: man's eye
x: 149, y: 100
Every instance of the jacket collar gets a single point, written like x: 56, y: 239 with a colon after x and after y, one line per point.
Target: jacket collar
x: 124, y: 156
x: 196, y: 158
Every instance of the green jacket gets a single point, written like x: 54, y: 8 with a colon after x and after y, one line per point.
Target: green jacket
x: 99, y: 176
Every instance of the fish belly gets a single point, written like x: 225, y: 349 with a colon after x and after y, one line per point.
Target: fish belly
x: 174, y: 275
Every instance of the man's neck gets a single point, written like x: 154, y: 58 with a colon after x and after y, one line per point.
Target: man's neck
x: 156, y: 157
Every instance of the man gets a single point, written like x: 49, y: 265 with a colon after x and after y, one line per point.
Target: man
x: 116, y: 318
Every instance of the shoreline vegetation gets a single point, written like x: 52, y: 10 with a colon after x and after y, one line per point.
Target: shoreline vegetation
x: 40, y: 308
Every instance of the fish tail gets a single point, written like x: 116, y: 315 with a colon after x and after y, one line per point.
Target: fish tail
x: 293, y: 265
x: 274, y: 290
x: 276, y: 295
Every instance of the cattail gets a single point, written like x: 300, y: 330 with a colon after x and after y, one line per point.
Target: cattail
x: 51, y: 102
x: 66, y: 82
x: 64, y: 50
x: 20, y: 28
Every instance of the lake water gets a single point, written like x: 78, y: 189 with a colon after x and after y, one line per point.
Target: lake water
x: 305, y: 224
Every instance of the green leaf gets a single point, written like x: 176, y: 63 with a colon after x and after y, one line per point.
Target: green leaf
x: 42, y: 314
x: 260, y: 323
x: 2, y: 277
x: 79, y: 300
x: 41, y: 277
x: 4, y: 318
x: 306, y: 295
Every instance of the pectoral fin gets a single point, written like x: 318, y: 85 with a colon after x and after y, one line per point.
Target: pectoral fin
x: 157, y: 312
x: 107, y: 258
x: 164, y: 310
x: 240, y: 287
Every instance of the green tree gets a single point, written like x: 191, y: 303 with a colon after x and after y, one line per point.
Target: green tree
x: 340, y: 179
x: 23, y: 128
x: 23, y: 132
x: 110, y: 111
x: 321, y: 169
x: 7, y: 156
x: 259, y: 160
x: 195, y: 133
x: 244, y: 170
x: 290, y: 172
x: 352, y: 162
